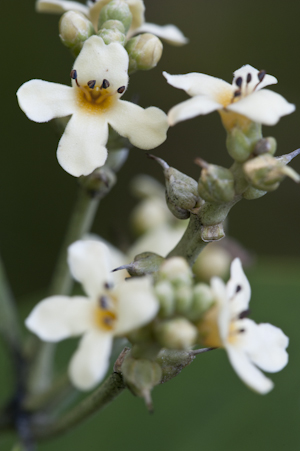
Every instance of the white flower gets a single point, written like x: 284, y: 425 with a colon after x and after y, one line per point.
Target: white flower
x: 99, y: 78
x: 244, y: 97
x: 249, y: 345
x: 106, y: 312
x: 170, y: 33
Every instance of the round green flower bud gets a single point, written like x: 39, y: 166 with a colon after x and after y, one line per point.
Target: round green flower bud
x: 140, y: 376
x: 203, y: 299
x: 112, y: 35
x: 214, y: 260
x: 74, y: 30
x: 165, y: 294
x: 183, y: 299
x: 144, y: 52
x: 177, y: 333
x: 176, y: 270
x: 266, y: 172
x: 216, y: 184
x: 116, y: 10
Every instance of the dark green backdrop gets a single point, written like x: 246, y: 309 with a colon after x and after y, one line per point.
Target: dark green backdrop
x: 207, y: 407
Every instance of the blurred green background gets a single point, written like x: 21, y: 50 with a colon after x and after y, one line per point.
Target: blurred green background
x: 206, y: 406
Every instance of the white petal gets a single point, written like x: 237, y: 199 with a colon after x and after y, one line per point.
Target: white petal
x: 201, y: 84
x: 41, y: 100
x: 145, y: 128
x: 238, y: 289
x: 137, y: 9
x: 169, y: 33
x: 82, y: 149
x: 59, y: 6
x: 264, y: 106
x: 224, y: 315
x: 191, y: 108
x: 247, y: 69
x: 59, y: 317
x: 89, y: 263
x: 137, y: 304
x: 90, y: 362
x: 98, y: 61
x: 248, y: 372
x: 266, y: 346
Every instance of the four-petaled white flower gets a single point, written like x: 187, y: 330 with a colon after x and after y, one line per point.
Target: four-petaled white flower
x: 169, y: 33
x: 99, y: 78
x: 107, y: 312
x: 248, y: 345
x: 244, y: 97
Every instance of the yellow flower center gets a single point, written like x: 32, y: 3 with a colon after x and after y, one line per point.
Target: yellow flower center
x: 95, y: 98
x: 105, y: 313
x: 209, y: 329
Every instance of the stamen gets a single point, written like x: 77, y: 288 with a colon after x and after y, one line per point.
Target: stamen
x: 121, y: 89
x: 239, y: 82
x: 237, y: 94
x: 241, y: 331
x: 73, y: 74
x: 105, y: 84
x: 238, y: 288
x: 249, y: 78
x: 91, y: 84
x: 244, y: 314
x: 108, y: 285
x: 261, y: 75
x: 103, y: 301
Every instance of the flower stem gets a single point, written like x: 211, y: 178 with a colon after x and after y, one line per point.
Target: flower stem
x: 191, y: 243
x: 106, y: 393
x: 9, y: 324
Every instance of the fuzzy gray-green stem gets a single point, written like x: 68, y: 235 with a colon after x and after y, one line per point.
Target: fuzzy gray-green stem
x: 9, y: 324
x: 106, y: 393
x: 191, y: 244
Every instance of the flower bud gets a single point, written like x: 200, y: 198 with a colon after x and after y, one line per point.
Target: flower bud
x: 172, y: 362
x: 177, y: 333
x: 238, y: 145
x: 183, y: 299
x: 203, y: 299
x: 99, y: 182
x: 74, y: 30
x: 116, y: 10
x: 181, y: 190
x: 176, y: 270
x: 253, y: 193
x: 141, y: 375
x: 266, y: 172
x: 143, y: 264
x: 216, y: 183
x: 265, y: 145
x: 113, y: 31
x: 164, y: 291
x: 213, y: 232
x: 214, y: 260
x: 149, y: 214
x: 144, y: 52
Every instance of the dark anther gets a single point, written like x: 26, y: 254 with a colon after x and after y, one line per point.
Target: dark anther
x: 261, y: 75
x: 73, y: 74
x: 105, y: 84
x: 121, y: 89
x: 237, y: 94
x: 91, y: 84
x: 239, y: 81
x: 238, y: 288
x: 249, y: 78
x: 241, y: 331
x: 108, y: 285
x: 107, y: 320
x: 103, y: 301
x: 244, y: 314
